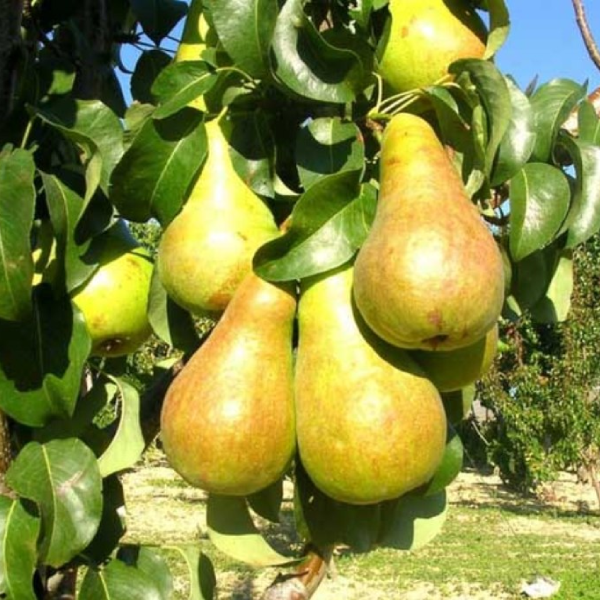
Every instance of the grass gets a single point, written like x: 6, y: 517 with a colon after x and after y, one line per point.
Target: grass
x: 487, y: 548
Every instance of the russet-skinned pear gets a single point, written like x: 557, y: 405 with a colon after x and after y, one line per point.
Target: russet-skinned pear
x: 370, y: 425
x: 429, y: 275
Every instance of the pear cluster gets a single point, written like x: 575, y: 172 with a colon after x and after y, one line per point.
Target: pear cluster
x: 378, y: 340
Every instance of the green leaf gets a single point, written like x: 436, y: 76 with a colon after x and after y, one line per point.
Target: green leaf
x: 539, y: 201
x: 450, y: 467
x: 267, y: 502
x: 583, y: 219
x: 147, y: 68
x: 95, y: 129
x: 154, y: 175
x: 201, y: 573
x: 245, y: 28
x: 552, y: 104
x: 180, y: 83
x: 326, y: 146
x: 554, y: 306
x: 112, y: 525
x: 499, y: 27
x: 495, y: 97
x: 17, y: 201
x: 308, y: 65
x: 62, y: 477
x: 19, y: 531
x: 158, y: 17
x: 231, y: 530
x: 412, y: 521
x: 518, y: 142
x: 127, y: 444
x: 326, y: 522
x: 588, y: 123
x: 252, y: 152
x: 152, y: 564
x: 42, y: 360
x: 117, y: 581
x: 171, y: 323
x: 66, y: 206
x: 458, y: 404
x: 329, y: 223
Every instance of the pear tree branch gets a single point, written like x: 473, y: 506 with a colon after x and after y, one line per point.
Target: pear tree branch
x: 586, y: 32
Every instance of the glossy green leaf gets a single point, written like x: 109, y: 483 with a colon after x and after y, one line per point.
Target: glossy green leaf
x: 95, y: 129
x: 151, y: 564
x: 329, y: 223
x: 307, y: 64
x: 154, y: 175
x: 117, y: 581
x: 127, y: 444
x: 588, y: 123
x: 450, y: 467
x: 112, y: 523
x: 245, y: 28
x: 252, y: 152
x: 158, y: 17
x: 518, y: 142
x: 201, y: 573
x: 412, y: 521
x: 326, y: 146
x: 65, y: 206
x: 17, y: 200
x: 458, y: 404
x: 232, y: 531
x: 555, y: 305
x: 552, y: 104
x: 267, y: 502
x: 180, y: 83
x: 583, y: 219
x: 171, y: 323
x: 42, y: 361
x: 326, y: 522
x: 499, y: 26
x: 539, y: 201
x: 19, y: 530
x: 147, y: 68
x: 62, y: 477
x: 495, y: 97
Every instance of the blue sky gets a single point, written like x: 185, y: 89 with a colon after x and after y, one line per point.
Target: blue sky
x: 544, y: 41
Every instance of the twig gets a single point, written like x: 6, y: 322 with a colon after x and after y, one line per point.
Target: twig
x: 586, y: 33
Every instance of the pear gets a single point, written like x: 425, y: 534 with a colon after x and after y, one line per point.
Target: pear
x: 370, y: 425
x: 207, y: 250
x: 114, y: 300
x: 456, y: 369
x: 425, y: 37
x: 228, y: 418
x: 429, y: 275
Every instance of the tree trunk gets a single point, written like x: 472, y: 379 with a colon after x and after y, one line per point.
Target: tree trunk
x: 10, y: 52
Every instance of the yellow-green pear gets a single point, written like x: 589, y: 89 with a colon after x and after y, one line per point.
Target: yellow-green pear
x: 227, y: 421
x: 207, y: 250
x: 370, y: 425
x: 425, y: 37
x: 429, y: 275
x: 456, y: 369
x: 114, y: 300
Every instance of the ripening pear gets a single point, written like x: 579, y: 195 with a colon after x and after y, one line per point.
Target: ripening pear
x: 370, y: 426
x: 114, y: 300
x: 207, y: 250
x: 425, y: 37
x: 456, y: 369
x: 429, y: 275
x: 228, y: 418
